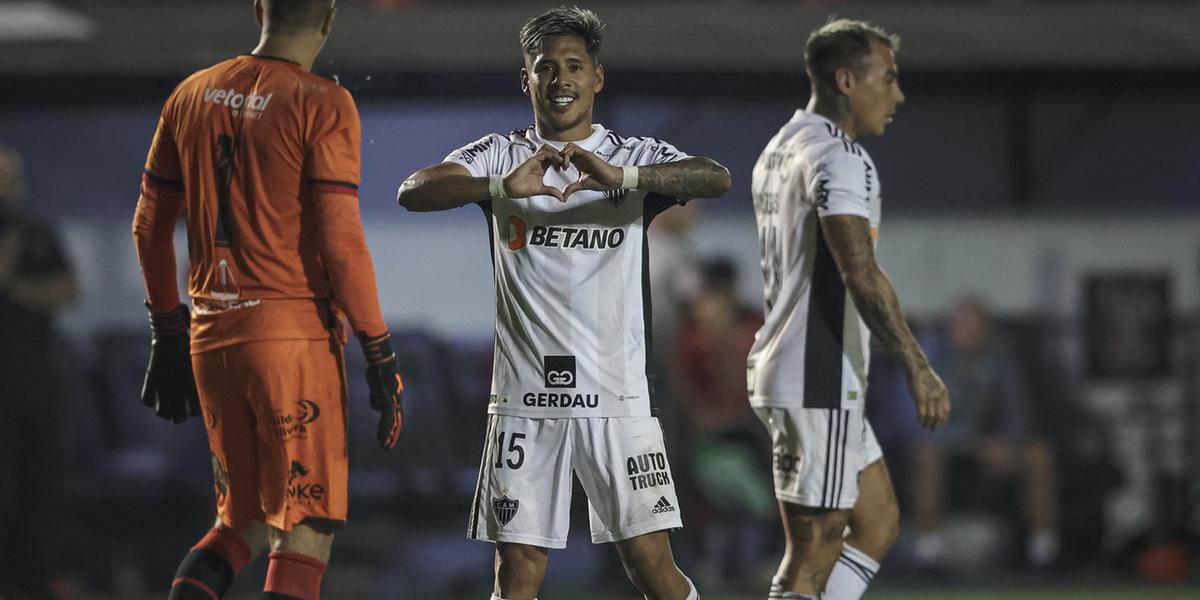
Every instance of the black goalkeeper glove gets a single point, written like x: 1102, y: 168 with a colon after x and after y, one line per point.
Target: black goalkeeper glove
x: 383, y: 379
x: 170, y: 388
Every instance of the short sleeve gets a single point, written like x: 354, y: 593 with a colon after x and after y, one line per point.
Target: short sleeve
x: 653, y: 151
x: 334, y: 152
x: 481, y: 157
x: 839, y: 185
x: 162, y: 162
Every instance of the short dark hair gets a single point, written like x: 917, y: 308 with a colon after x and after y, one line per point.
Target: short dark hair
x: 296, y: 14
x: 574, y: 21
x: 841, y: 43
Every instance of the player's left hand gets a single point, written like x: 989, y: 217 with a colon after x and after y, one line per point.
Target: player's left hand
x: 595, y: 173
x: 170, y: 387
x: 386, y: 386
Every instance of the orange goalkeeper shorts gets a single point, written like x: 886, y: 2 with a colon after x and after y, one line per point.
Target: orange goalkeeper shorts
x: 275, y: 412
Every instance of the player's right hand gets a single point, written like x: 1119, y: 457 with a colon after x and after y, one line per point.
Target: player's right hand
x: 931, y: 397
x: 526, y: 179
x: 170, y: 387
x: 386, y: 387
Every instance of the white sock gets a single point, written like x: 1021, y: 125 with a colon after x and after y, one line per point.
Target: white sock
x: 777, y: 592
x: 850, y: 576
x: 495, y: 597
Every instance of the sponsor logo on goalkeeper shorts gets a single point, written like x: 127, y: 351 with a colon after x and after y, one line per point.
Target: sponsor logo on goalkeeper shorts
x: 302, y: 491
x: 293, y: 424
x: 647, y: 470
x: 505, y: 508
x: 663, y: 506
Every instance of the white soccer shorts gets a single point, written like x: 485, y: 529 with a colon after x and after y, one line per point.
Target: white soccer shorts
x: 524, y: 491
x: 818, y: 454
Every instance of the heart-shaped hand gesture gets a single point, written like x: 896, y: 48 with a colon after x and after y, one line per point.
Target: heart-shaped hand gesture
x: 595, y: 173
x: 526, y: 180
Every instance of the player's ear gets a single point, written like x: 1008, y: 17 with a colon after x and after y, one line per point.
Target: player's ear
x: 844, y: 80
x: 258, y: 12
x: 525, y: 81
x: 327, y: 26
x: 599, y: 79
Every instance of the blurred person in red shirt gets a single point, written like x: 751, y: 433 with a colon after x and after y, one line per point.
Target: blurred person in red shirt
x: 726, y: 441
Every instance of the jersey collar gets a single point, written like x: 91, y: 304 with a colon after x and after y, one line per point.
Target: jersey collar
x: 804, y: 115
x: 589, y: 143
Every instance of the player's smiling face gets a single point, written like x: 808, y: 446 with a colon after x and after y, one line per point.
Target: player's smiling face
x: 561, y: 81
x: 876, y: 94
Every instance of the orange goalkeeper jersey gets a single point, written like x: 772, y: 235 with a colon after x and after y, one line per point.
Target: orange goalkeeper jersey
x: 251, y: 143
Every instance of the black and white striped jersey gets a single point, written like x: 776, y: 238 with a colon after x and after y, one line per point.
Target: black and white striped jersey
x: 572, y: 282
x: 813, y: 350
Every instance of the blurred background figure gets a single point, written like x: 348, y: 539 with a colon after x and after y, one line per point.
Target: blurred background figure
x: 727, y: 445
x: 674, y: 279
x: 36, y: 281
x: 992, y: 437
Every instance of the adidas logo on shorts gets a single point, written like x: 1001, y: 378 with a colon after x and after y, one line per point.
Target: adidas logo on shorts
x: 663, y: 506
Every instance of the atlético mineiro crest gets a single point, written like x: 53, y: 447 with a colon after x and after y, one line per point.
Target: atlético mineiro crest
x: 616, y: 196
x: 505, y: 509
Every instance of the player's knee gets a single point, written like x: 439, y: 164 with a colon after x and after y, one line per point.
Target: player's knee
x: 521, y: 562
x: 648, y: 571
x: 311, y: 537
x: 811, y: 530
x: 889, y: 525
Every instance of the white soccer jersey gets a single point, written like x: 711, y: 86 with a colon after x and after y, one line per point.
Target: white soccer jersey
x: 813, y: 349
x: 572, y: 282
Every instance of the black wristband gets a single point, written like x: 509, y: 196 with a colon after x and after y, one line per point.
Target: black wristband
x: 376, y: 349
x: 174, y: 321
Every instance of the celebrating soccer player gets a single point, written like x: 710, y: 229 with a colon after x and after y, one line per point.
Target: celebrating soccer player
x: 264, y: 157
x: 816, y: 199
x: 567, y: 203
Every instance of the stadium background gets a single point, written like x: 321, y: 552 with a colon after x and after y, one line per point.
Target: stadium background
x: 1043, y: 143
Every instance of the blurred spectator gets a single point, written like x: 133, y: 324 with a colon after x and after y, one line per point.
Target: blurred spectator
x: 728, y: 449
x: 35, y: 282
x: 674, y: 277
x: 990, y: 428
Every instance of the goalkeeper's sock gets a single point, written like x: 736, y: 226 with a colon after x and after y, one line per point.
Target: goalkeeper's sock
x: 208, y: 570
x: 293, y: 576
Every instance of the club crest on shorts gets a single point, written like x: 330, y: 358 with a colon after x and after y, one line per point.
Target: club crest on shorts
x: 505, y: 509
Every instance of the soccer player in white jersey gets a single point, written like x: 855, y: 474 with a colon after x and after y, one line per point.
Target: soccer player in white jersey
x: 567, y: 203
x: 816, y: 199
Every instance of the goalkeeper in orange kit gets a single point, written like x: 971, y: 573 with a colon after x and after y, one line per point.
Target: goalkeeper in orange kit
x: 264, y: 158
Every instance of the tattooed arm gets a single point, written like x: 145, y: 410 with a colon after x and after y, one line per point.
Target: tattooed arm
x: 695, y: 177
x: 849, y: 240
